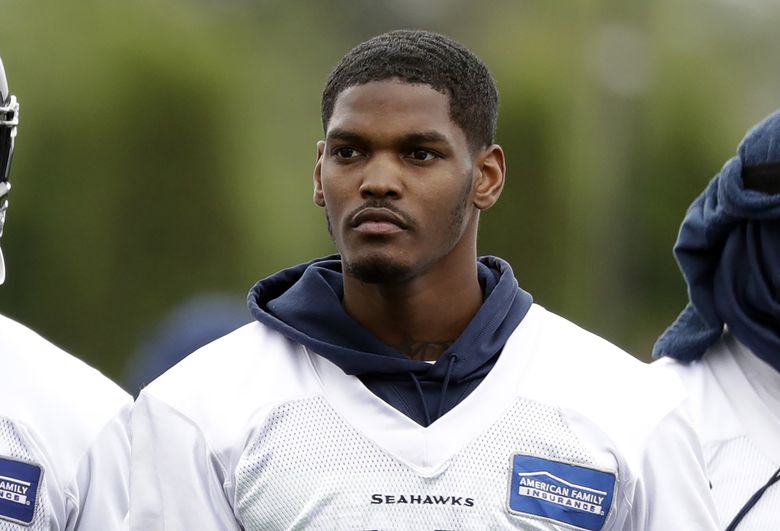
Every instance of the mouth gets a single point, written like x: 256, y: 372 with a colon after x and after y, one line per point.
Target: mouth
x: 377, y: 221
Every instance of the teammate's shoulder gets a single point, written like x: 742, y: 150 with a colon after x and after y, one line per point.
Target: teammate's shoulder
x: 53, y: 399
x: 703, y: 387
x: 690, y: 373
x: 44, y: 370
x: 719, y: 397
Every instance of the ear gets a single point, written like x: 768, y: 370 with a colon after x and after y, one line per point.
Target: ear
x: 490, y: 168
x: 319, y: 196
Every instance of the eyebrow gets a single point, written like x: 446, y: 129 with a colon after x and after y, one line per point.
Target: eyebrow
x: 410, y: 138
x: 345, y: 135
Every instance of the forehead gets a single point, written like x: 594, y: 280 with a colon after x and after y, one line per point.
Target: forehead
x: 393, y: 106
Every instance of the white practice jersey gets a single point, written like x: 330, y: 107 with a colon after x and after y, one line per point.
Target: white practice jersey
x: 64, y: 447
x: 253, y: 432
x: 735, y: 401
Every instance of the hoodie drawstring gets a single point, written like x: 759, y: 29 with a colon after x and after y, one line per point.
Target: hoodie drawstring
x: 443, y: 392
x: 445, y: 383
x: 422, y: 398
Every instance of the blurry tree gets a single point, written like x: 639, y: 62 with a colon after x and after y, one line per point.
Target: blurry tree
x: 166, y: 147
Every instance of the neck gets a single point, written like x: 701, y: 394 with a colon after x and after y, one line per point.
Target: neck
x: 420, y: 317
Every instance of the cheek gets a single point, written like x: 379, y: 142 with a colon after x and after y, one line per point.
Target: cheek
x: 335, y: 201
x: 330, y: 185
x: 446, y: 198
x: 331, y: 194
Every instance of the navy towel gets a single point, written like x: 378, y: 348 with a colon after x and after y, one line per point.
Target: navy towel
x: 728, y: 250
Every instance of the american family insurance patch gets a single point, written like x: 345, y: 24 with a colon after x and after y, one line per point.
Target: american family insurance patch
x: 574, y: 495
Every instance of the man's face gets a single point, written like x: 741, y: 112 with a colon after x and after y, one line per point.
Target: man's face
x: 395, y: 176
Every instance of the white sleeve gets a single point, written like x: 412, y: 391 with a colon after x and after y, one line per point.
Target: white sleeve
x: 98, y: 496
x: 176, y: 481
x: 673, y: 492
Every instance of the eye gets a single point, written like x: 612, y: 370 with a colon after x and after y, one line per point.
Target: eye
x: 346, y: 153
x: 423, y: 155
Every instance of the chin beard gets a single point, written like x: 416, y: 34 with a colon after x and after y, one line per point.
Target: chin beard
x: 378, y: 271
x: 373, y: 270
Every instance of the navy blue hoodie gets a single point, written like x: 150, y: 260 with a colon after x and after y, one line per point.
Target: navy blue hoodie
x: 304, y: 304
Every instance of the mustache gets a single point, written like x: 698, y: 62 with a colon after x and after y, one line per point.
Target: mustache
x: 387, y: 205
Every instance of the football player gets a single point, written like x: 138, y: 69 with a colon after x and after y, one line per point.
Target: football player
x: 404, y: 383
x: 726, y: 342
x: 64, y: 448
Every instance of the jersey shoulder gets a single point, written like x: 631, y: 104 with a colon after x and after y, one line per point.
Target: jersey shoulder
x: 738, y: 430
x: 56, y: 414
x: 251, y: 359
x: 586, y: 360
x: 724, y: 398
x: 600, y: 384
x: 49, y: 383
x: 220, y: 386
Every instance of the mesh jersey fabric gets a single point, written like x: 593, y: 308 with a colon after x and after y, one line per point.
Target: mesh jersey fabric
x: 68, y: 419
x: 738, y: 468
x: 256, y: 432
x: 739, y: 432
x: 340, y: 479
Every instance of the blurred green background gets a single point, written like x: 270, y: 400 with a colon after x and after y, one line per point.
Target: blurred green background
x: 166, y: 147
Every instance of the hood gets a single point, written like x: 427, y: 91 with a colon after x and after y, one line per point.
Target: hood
x: 728, y: 252
x: 304, y: 304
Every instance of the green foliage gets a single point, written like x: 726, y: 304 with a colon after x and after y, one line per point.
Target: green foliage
x: 166, y: 148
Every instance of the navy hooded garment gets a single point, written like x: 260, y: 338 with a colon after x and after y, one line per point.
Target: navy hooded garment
x: 304, y: 304
x: 729, y: 252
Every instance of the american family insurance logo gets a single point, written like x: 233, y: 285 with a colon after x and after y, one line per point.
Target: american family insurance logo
x: 546, y: 486
x: 561, y: 492
x: 14, y: 490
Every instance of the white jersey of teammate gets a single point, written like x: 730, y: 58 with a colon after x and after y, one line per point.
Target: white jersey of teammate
x: 735, y: 398
x: 64, y: 448
x: 254, y: 432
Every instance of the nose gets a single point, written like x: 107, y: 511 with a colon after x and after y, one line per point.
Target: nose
x: 381, y: 178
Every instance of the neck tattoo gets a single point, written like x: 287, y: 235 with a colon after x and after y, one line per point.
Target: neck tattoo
x: 423, y: 350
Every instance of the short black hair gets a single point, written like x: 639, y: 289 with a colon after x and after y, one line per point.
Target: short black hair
x: 423, y: 57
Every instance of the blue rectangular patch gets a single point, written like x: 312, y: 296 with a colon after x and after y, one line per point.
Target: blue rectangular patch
x: 566, y: 493
x: 19, y: 482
